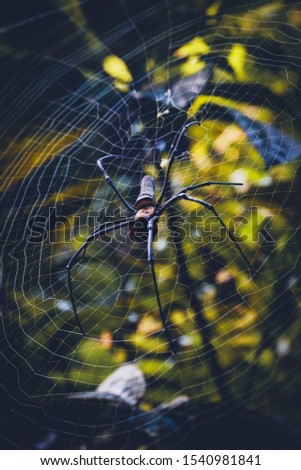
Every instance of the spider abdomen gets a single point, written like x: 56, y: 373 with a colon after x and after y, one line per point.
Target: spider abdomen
x: 147, y: 193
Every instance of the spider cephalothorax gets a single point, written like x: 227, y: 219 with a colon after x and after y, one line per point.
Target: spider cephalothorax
x: 142, y: 224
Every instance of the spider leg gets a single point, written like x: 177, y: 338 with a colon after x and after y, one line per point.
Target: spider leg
x: 174, y: 148
x: 85, y: 245
x: 179, y: 195
x: 104, y: 228
x: 150, y: 255
x: 211, y: 208
x: 110, y: 181
x: 94, y: 232
x: 72, y: 262
x: 207, y: 205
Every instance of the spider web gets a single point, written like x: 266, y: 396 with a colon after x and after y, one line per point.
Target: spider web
x: 233, y: 69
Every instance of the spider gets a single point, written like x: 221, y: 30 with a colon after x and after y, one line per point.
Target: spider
x: 142, y: 224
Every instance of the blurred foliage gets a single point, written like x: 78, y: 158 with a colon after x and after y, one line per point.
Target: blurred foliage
x: 246, y: 61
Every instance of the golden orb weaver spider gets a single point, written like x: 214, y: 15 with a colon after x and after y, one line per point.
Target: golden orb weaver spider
x: 142, y: 224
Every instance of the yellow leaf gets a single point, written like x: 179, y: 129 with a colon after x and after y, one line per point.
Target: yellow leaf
x: 213, y: 9
x: 75, y: 191
x: 267, y: 359
x: 237, y: 60
x: 202, y: 100
x: 149, y: 325
x: 231, y: 135
x: 121, y: 86
x: 192, y: 65
x: 34, y: 151
x: 247, y: 340
x: 117, y: 68
x: 197, y: 46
